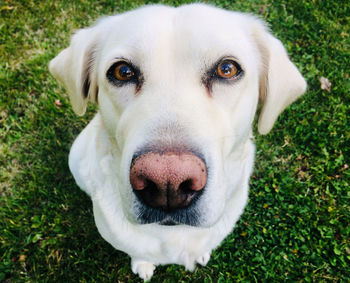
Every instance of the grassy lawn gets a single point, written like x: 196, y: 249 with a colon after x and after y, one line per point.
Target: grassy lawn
x: 296, y: 225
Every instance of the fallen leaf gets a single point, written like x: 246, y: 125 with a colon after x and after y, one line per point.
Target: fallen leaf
x: 325, y: 84
x: 347, y: 250
x: 344, y: 34
x: 8, y: 8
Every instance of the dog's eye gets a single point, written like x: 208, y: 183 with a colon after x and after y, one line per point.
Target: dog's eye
x: 123, y: 72
x: 227, y: 69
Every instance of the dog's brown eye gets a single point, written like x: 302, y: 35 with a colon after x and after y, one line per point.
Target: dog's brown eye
x: 227, y: 69
x: 123, y: 72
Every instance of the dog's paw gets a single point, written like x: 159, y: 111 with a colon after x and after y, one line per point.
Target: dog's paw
x: 144, y: 269
x: 203, y: 260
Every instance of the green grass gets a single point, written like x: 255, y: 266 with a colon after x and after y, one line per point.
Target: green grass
x: 296, y: 225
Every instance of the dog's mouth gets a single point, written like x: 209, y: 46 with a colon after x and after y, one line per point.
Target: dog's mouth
x: 168, y: 222
x: 186, y: 216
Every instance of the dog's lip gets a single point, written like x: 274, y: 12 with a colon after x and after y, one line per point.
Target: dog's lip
x: 168, y: 222
x: 148, y: 215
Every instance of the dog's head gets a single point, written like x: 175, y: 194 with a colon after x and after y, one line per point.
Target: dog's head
x: 177, y: 90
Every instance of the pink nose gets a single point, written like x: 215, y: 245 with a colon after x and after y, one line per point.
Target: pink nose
x: 168, y: 180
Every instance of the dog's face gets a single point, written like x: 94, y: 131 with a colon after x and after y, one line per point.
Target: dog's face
x: 177, y: 91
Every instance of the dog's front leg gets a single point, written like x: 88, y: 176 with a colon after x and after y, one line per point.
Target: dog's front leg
x: 143, y: 268
x: 204, y: 259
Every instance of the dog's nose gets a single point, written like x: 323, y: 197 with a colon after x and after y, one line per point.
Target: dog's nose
x: 168, y: 180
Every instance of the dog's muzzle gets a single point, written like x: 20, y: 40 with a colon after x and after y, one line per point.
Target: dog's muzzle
x: 168, y: 184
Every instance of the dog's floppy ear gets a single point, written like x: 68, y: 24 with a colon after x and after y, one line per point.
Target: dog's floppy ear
x: 74, y: 67
x: 280, y: 81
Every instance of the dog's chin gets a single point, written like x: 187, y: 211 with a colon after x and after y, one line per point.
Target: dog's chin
x: 186, y: 216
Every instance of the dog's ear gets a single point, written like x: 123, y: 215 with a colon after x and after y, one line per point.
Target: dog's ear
x: 280, y: 81
x: 74, y: 67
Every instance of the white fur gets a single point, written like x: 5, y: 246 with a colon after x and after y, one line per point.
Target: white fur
x: 173, y: 48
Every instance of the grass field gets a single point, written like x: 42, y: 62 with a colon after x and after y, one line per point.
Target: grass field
x: 296, y: 225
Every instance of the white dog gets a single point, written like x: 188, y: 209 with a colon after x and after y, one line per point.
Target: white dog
x: 167, y: 159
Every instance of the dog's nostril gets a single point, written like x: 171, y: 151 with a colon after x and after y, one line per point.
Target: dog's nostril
x: 186, y: 187
x: 150, y: 186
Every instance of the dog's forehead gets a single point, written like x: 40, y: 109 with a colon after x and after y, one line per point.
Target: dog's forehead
x: 188, y: 32
x: 212, y: 33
